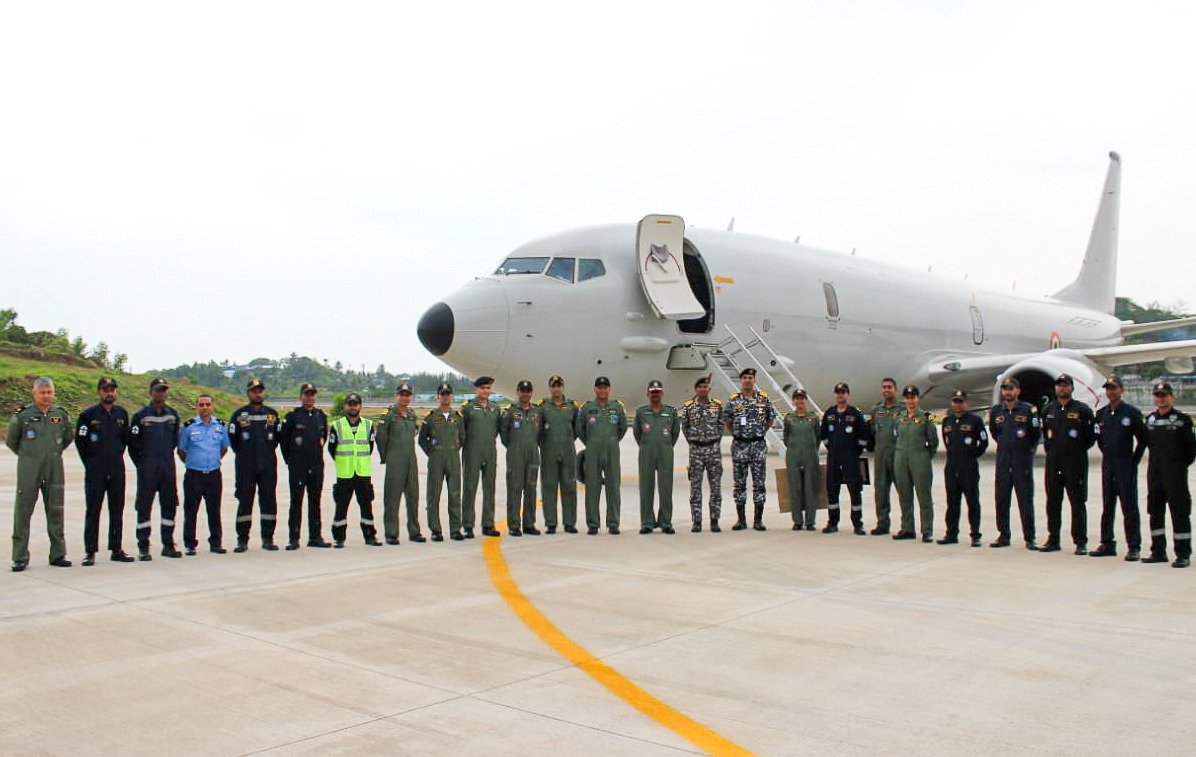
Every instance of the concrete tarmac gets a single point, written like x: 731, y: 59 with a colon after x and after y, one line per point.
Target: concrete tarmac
x: 780, y: 642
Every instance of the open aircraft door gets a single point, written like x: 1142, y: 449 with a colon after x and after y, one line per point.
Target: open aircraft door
x: 660, y: 250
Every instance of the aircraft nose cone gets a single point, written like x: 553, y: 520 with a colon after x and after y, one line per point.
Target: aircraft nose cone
x: 435, y: 329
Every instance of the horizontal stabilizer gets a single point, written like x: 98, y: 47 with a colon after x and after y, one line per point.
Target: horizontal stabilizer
x: 1136, y: 329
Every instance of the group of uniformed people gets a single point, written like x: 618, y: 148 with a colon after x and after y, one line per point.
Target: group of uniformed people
x: 540, y: 440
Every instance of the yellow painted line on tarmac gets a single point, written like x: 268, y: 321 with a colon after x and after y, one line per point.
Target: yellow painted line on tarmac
x: 614, y: 681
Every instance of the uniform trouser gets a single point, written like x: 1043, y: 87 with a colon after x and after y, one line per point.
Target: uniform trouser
x: 558, y: 473
x: 963, y: 482
x: 883, y: 476
x: 523, y: 468
x: 50, y: 486
x: 656, y: 476
x: 305, y: 478
x: 209, y: 486
x: 1119, y: 481
x: 1163, y: 490
x: 478, y: 464
x: 1069, y: 476
x: 342, y: 492
x: 99, y: 481
x: 402, y: 480
x: 602, y: 471
x: 264, y: 481
x: 1013, y: 477
x: 840, y: 471
x: 914, y: 475
x: 159, y: 480
x: 748, y: 456
x: 444, y: 467
x: 802, y: 473
x: 706, y: 458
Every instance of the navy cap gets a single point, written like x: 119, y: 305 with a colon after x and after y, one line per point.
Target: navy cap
x: 842, y: 387
x: 404, y: 388
x: 555, y: 380
x: 1010, y: 383
x: 655, y: 386
x: 800, y: 394
x: 158, y: 382
x: 352, y: 398
x: 911, y: 390
x: 255, y: 383
x: 960, y: 394
x: 702, y: 380
x: 1065, y: 379
x: 523, y: 386
x: 602, y: 381
x: 1112, y: 382
x: 483, y: 380
x: 106, y: 382
x: 1161, y: 388
x: 444, y: 388
x: 747, y: 372
x: 307, y: 388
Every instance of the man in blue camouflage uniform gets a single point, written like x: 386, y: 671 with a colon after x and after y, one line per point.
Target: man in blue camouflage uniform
x: 702, y: 424
x: 747, y: 415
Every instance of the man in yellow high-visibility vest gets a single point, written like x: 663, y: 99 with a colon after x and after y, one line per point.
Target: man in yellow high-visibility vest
x: 351, y: 445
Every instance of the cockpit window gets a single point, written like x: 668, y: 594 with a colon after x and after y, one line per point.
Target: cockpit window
x: 521, y: 265
x: 588, y: 268
x: 562, y: 268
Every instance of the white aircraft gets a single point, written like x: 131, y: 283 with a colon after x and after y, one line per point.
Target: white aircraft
x: 659, y: 301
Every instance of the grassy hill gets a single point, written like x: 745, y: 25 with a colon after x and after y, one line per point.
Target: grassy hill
x: 75, y: 383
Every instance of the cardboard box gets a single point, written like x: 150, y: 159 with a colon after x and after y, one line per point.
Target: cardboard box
x: 782, y: 479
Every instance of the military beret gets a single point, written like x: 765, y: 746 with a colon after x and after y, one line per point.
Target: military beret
x: 747, y: 372
x: 404, y: 388
x: 444, y: 388
x: 702, y: 380
x: 483, y: 380
x: 523, y: 386
x: 555, y: 380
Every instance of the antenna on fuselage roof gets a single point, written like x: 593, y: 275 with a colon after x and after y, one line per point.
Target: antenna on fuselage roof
x: 731, y: 226
x: 797, y: 239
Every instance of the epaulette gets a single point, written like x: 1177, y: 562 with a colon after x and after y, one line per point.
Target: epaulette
x: 763, y: 394
x: 540, y: 403
x: 574, y: 404
x: 687, y: 403
x: 716, y: 401
x: 735, y: 396
x: 621, y: 404
x: 188, y: 423
x: 217, y: 420
x: 465, y: 404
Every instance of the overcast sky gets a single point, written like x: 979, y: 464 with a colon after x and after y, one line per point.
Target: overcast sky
x: 232, y: 180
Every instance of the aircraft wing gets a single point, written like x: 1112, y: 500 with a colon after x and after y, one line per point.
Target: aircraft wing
x: 1135, y: 329
x: 963, y: 369
x: 1129, y: 354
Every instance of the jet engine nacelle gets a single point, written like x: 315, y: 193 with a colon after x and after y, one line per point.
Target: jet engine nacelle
x: 1037, y: 375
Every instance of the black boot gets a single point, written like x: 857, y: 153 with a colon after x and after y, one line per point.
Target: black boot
x: 714, y: 529
x: 697, y: 527
x: 741, y: 521
x: 758, y: 519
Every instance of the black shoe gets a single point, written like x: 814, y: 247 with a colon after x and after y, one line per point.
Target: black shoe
x: 373, y: 542
x: 878, y: 531
x: 190, y: 552
x: 758, y: 526
x: 1153, y: 558
x: 592, y: 531
x: 1104, y: 550
x: 904, y: 535
x: 269, y: 546
x: 218, y: 550
x: 338, y: 545
x: 1050, y: 546
x: 292, y: 545
x: 714, y: 527
x: 61, y: 562
x: 667, y: 530
x: 1032, y: 545
x: 143, y: 555
x: 118, y: 555
x: 392, y: 541
x: 420, y: 538
x: 490, y: 532
x: 1181, y: 562
x: 976, y: 542
x: 1081, y: 549
x: 740, y: 525
x: 170, y: 551
x: 549, y: 530
x: 437, y: 536
x: 570, y: 529
x: 512, y: 532
x: 927, y: 538
x: 1133, y: 555
x: 89, y: 560
x: 614, y: 530
x: 242, y: 546
x: 999, y: 543
x: 19, y: 566
x: 469, y: 533
x: 830, y: 529
x: 810, y: 527
x: 859, y: 531
x: 645, y: 530
x: 321, y: 544
x: 455, y: 536
x: 696, y: 528
x: 532, y: 531
x: 948, y: 540
x: 797, y: 527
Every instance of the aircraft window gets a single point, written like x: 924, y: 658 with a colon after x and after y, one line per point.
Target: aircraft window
x: 522, y: 265
x: 832, y: 300
x: 589, y: 268
x: 562, y: 268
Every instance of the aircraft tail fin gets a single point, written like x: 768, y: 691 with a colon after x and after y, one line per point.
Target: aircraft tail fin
x: 1095, y: 286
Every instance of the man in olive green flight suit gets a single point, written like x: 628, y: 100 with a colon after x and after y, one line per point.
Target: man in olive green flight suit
x: 884, y: 421
x: 440, y: 438
x: 479, y: 457
x: 558, y: 457
x: 37, y: 435
x: 600, y: 424
x: 395, y: 438
x: 656, y: 429
x: 520, y: 433
x: 916, y: 441
x: 801, y: 439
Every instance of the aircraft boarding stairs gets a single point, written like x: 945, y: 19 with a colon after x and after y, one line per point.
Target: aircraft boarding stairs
x: 727, y: 358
